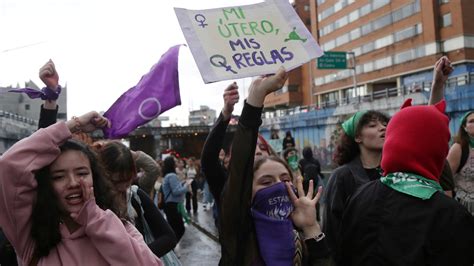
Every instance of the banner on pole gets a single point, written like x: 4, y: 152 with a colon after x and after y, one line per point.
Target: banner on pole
x: 245, y: 41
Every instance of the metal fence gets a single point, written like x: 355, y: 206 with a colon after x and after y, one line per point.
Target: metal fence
x: 18, y: 118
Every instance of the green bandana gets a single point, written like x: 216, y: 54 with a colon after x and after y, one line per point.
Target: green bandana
x: 464, y: 116
x: 349, y: 126
x: 411, y: 184
x: 293, y: 162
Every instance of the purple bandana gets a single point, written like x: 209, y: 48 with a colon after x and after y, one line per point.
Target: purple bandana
x: 156, y: 92
x: 45, y: 93
x: 270, y: 211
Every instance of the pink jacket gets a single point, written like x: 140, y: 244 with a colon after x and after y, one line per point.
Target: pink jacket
x: 102, y: 240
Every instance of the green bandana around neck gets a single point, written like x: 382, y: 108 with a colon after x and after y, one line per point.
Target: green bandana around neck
x: 411, y: 184
x: 464, y: 116
x: 293, y: 162
x: 349, y: 126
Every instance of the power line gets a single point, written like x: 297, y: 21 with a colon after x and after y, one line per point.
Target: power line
x: 22, y: 47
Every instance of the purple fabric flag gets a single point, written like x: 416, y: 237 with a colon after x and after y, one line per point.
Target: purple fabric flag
x: 156, y: 92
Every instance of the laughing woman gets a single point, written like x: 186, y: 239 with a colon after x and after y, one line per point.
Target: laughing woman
x: 57, y: 207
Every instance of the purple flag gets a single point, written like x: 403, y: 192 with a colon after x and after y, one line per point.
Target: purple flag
x: 156, y: 92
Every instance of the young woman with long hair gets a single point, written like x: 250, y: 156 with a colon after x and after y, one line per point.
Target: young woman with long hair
x: 259, y: 207
x: 461, y: 160
x: 57, y: 207
x: 174, y: 191
x: 121, y: 166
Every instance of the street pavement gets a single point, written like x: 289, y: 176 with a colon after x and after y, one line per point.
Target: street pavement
x: 199, y: 244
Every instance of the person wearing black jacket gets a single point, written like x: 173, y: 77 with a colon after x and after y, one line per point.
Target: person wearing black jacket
x: 404, y: 218
x: 212, y: 167
x: 358, y: 153
x: 239, y: 229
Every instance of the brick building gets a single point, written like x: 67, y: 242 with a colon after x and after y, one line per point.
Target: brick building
x: 394, y: 44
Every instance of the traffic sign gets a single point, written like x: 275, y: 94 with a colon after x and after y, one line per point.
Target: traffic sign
x: 333, y: 60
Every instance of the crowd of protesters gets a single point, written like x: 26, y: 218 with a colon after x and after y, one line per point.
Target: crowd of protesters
x: 399, y: 194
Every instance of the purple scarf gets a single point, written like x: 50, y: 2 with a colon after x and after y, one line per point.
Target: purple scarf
x: 45, y: 93
x: 270, y: 210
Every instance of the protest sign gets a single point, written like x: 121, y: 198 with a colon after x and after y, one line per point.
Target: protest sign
x: 244, y: 41
x: 277, y: 144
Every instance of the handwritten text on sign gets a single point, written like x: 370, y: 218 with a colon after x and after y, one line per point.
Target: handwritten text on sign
x: 237, y: 42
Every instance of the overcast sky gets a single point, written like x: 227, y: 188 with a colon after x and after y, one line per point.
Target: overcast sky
x: 102, y: 48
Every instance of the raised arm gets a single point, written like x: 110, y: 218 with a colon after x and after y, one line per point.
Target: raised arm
x: 442, y: 70
x: 210, y: 165
x: 49, y: 109
x: 17, y: 176
x: 235, y: 219
x: 150, y: 169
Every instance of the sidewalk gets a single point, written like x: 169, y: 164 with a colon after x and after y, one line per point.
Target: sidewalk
x: 204, y: 222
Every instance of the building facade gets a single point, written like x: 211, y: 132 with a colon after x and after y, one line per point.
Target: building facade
x: 389, y: 44
x: 202, y: 117
x: 21, y: 105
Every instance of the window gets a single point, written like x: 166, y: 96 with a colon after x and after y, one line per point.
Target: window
x: 407, y: 11
x: 327, y: 12
x: 341, y: 22
x: 357, y: 51
x: 355, y: 34
x: 27, y: 107
x: 397, y: 15
x: 366, y: 29
x: 368, y: 47
x: 446, y: 20
x: 365, y: 10
x: 319, y: 81
x: 329, y: 45
x: 330, y: 97
x: 405, y: 33
x: 383, y: 62
x: 382, y: 22
x: 419, y: 28
x: 385, y: 41
x: 403, y: 56
x: 354, y: 15
x: 343, y: 39
x: 379, y: 3
x: 338, y: 6
x: 368, y: 67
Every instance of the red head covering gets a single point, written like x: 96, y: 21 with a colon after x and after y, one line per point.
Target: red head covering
x: 416, y: 140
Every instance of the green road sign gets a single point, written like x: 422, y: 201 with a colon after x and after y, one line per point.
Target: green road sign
x: 333, y: 60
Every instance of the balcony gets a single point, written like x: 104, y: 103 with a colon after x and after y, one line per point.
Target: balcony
x: 286, y: 97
